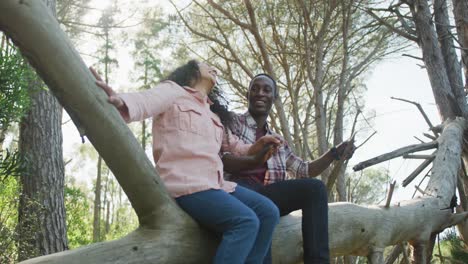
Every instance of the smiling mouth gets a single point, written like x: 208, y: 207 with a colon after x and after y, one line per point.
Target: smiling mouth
x: 259, y: 103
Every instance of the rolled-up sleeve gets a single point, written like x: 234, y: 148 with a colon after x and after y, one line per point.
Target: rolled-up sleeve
x: 234, y: 145
x: 295, y: 165
x: 152, y: 102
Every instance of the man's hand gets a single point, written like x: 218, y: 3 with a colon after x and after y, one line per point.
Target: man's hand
x: 263, y: 147
x: 265, y: 154
x: 113, y: 98
x: 345, y: 150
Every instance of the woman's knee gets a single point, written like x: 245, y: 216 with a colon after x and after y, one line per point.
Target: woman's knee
x: 270, y: 211
x: 249, y: 221
x: 275, y: 213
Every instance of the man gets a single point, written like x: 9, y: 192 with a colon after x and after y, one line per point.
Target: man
x: 303, y: 192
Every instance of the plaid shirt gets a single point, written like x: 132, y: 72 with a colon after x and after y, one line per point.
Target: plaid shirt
x: 282, y: 165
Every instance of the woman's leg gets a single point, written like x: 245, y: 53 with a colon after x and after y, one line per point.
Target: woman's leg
x: 310, y: 195
x: 267, y: 213
x: 223, y: 213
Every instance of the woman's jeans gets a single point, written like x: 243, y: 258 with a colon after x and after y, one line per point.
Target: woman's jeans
x: 245, y: 219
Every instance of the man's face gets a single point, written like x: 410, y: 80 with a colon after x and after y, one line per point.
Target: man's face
x: 261, y: 95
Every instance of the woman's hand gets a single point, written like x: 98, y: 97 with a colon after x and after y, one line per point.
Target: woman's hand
x: 113, y: 98
x: 264, y: 148
x: 265, y: 154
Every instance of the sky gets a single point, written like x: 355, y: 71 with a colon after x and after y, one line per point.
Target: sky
x: 396, y: 122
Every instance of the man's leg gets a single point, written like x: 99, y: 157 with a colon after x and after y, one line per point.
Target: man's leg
x: 310, y: 195
x: 223, y: 213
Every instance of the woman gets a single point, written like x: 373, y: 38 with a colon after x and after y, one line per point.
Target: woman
x: 187, y: 138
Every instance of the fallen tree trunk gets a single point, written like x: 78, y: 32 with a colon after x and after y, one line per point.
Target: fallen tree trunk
x: 166, y: 233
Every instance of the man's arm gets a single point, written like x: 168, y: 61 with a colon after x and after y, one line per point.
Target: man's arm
x: 344, y: 150
x: 317, y: 166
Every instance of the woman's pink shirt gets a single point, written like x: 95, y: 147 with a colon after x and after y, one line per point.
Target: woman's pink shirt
x: 187, y: 137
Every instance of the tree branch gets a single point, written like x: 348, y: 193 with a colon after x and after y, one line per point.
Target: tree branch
x: 396, y: 153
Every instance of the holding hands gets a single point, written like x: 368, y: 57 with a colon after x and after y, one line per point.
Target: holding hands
x: 264, y: 148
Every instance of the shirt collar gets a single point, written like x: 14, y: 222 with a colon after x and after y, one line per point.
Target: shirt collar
x: 197, y: 94
x: 250, y: 122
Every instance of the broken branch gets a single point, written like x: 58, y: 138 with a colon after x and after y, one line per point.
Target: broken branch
x: 395, y: 154
x: 418, y: 170
x: 420, y: 110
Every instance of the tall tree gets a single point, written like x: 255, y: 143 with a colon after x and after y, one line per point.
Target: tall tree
x: 70, y: 14
x: 147, y: 44
x: 41, y: 220
x: 430, y: 27
x: 105, y: 23
x: 14, y: 101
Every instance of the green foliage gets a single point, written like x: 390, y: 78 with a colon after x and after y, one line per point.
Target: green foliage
x: 70, y: 14
x: 148, y: 43
x: 368, y: 186
x: 79, y: 222
x: 451, y: 249
x: 11, y: 164
x: 14, y: 78
x: 125, y: 222
x: 9, y: 193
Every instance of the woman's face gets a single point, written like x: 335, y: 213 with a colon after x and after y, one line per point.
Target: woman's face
x: 207, y: 73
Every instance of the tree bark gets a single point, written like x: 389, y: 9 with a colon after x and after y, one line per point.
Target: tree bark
x: 166, y: 234
x: 97, y: 203
x: 342, y: 87
x: 452, y: 65
x: 316, y: 77
x: 41, y: 216
x: 432, y: 56
x: 460, y: 11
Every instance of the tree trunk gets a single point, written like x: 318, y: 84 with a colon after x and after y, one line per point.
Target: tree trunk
x: 452, y: 65
x: 460, y: 11
x: 342, y: 87
x: 2, y: 136
x: 432, y: 55
x: 41, y: 216
x: 143, y: 122
x: 107, y: 228
x: 97, y: 203
x: 316, y: 77
x: 166, y: 234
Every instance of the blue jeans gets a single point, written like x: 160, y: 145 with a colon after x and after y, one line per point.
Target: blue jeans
x: 245, y: 219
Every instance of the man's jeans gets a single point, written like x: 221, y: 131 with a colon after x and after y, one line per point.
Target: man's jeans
x: 310, y: 196
x: 245, y: 219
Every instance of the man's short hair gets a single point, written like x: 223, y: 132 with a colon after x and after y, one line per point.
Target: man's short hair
x: 269, y: 77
